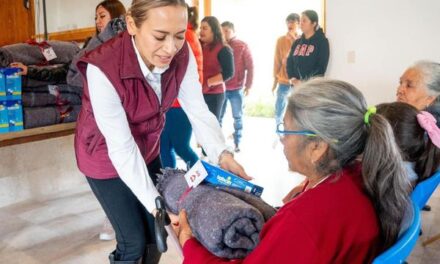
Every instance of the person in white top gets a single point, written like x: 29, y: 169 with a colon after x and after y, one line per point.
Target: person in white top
x: 110, y: 120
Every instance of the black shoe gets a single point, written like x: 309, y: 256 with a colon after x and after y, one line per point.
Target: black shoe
x: 237, y: 149
x: 426, y: 208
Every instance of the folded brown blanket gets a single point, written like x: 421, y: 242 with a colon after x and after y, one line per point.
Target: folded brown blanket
x: 227, y: 222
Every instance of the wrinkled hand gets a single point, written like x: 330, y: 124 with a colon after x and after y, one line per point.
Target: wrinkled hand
x: 228, y: 163
x: 182, y: 228
x: 24, y: 68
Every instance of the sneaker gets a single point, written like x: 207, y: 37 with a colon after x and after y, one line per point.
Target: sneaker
x: 107, y: 233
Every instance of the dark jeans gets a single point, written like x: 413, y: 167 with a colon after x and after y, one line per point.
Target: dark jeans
x: 133, y: 224
x: 175, y: 138
x: 215, y: 105
x: 236, y: 98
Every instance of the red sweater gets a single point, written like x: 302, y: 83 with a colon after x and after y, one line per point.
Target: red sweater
x: 335, y: 222
x: 243, y: 66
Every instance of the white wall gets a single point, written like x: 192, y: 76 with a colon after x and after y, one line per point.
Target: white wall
x: 386, y: 37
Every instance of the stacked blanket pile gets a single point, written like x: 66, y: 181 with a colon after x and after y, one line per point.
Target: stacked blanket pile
x: 46, y: 98
x: 226, y: 221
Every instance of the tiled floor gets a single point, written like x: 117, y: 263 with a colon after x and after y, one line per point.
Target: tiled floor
x: 63, y: 228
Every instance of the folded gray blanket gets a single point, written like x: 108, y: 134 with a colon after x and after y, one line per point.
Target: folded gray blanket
x: 47, y: 99
x: 62, y: 88
x: 227, y: 222
x: 31, y: 54
x: 45, y: 116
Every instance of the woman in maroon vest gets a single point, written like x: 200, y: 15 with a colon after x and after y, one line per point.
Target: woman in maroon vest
x: 218, y: 64
x: 129, y: 84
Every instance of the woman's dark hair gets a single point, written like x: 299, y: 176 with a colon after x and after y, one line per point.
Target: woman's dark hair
x: 411, y: 138
x: 193, y: 16
x: 214, y: 24
x: 313, y: 16
x: 114, y: 7
x: 337, y: 117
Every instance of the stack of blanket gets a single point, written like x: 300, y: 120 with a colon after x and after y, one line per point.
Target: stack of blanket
x: 226, y: 221
x: 46, y: 97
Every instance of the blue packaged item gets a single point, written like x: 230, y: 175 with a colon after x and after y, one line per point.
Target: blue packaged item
x: 12, y: 83
x: 219, y: 177
x: 2, y: 86
x: 4, y: 121
x: 15, y: 115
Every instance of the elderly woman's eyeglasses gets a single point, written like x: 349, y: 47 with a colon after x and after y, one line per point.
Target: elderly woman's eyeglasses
x: 282, y: 132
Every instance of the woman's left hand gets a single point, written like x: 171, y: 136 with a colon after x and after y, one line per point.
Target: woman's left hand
x: 182, y: 228
x: 228, y: 163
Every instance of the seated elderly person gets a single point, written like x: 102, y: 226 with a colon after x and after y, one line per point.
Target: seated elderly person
x: 350, y: 210
x: 417, y: 136
x: 420, y: 87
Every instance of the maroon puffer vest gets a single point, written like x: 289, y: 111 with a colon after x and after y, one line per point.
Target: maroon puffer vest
x: 117, y: 60
x: 211, y: 67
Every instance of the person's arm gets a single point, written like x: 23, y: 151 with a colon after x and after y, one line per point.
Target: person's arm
x: 123, y: 151
x: 324, y: 54
x: 277, y: 62
x: 287, y: 240
x: 53, y: 73
x: 205, y: 125
x: 290, y: 67
x: 249, y: 66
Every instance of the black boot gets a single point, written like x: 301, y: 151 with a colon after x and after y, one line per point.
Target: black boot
x: 111, y: 257
x: 151, y: 255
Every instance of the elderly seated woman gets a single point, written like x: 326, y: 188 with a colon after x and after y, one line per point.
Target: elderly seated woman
x: 420, y: 87
x: 351, y: 208
x: 417, y: 136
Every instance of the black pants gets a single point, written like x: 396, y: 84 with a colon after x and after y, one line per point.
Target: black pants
x: 215, y: 105
x: 133, y: 224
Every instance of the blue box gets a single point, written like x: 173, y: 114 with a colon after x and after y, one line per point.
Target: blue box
x: 2, y: 86
x: 15, y: 115
x: 12, y: 83
x: 4, y: 120
x: 220, y: 177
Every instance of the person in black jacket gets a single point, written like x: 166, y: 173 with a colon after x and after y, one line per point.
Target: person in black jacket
x: 309, y: 54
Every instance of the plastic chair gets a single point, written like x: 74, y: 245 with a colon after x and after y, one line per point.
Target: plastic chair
x: 397, y: 253
x: 421, y: 194
x: 424, y: 189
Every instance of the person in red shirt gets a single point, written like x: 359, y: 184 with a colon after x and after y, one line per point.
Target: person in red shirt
x: 240, y: 84
x: 349, y: 210
x: 172, y: 143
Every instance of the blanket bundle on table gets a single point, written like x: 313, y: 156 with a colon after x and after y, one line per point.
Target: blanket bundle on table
x: 45, y: 116
x: 29, y: 54
x: 226, y: 221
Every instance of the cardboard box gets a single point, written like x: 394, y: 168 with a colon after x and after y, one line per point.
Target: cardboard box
x: 15, y: 115
x: 2, y: 86
x: 12, y: 83
x: 4, y: 120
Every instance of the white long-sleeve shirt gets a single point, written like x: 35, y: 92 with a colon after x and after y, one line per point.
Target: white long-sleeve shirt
x: 122, y: 148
